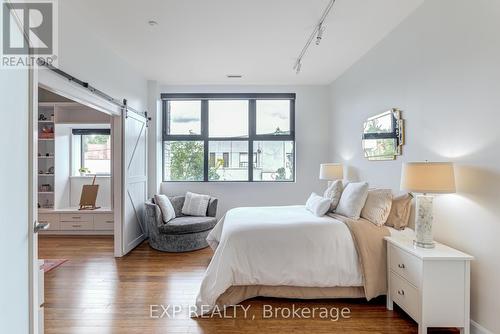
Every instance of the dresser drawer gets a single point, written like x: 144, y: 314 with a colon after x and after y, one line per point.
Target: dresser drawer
x: 75, y: 217
x: 405, y: 295
x: 406, y: 265
x: 104, y: 222
x: 51, y: 218
x: 77, y: 225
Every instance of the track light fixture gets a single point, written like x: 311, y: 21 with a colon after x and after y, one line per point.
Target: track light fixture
x: 297, y: 67
x: 320, y: 33
x: 317, y: 33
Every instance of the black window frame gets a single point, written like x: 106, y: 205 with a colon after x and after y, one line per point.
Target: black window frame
x: 252, y: 133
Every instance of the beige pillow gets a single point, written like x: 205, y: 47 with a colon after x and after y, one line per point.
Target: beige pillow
x: 195, y: 205
x: 377, y: 206
x: 353, y: 200
x: 166, y: 208
x: 333, y: 192
x: 400, y: 212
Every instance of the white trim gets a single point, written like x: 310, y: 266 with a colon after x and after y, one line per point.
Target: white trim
x: 53, y: 82
x: 34, y: 305
x: 79, y: 232
x: 476, y: 328
x: 117, y: 181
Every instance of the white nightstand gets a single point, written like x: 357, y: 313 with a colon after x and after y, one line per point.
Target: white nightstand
x: 431, y: 285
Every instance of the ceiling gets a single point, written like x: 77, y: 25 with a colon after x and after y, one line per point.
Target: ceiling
x: 200, y: 41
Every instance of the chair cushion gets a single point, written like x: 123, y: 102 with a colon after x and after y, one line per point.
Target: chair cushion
x: 177, y: 203
x: 184, y: 225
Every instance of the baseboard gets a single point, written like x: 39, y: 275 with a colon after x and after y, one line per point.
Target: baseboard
x: 476, y: 328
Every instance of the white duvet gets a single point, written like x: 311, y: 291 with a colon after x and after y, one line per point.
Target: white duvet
x: 284, y: 245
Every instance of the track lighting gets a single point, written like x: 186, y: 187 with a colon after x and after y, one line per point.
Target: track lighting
x: 317, y: 33
x: 320, y: 33
x: 298, y: 66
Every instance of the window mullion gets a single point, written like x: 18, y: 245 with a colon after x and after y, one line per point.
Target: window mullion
x: 204, y: 135
x: 251, y: 135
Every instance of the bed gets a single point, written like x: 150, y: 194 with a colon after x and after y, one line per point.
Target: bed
x: 285, y: 251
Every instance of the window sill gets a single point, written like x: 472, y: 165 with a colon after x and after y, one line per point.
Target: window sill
x: 90, y: 177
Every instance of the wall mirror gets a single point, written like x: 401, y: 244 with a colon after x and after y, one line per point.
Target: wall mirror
x: 383, y: 135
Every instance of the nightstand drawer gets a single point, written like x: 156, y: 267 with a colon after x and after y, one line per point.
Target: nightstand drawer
x: 104, y: 222
x: 406, y: 265
x: 405, y: 295
x: 77, y: 225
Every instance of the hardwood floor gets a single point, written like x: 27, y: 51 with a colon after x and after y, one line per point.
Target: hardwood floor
x: 95, y: 293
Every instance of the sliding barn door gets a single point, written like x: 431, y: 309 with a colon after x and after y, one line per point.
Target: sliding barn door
x: 135, y: 180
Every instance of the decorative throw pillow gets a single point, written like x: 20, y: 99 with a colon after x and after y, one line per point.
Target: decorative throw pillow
x: 352, y: 200
x: 400, y: 212
x: 195, y: 204
x: 318, y: 205
x: 378, y: 206
x: 166, y: 208
x: 333, y: 192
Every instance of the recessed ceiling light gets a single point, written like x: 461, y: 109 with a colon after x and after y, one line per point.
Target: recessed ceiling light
x: 152, y: 23
x: 234, y: 76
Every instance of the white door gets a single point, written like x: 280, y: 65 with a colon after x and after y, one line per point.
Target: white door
x: 135, y: 179
x: 18, y: 240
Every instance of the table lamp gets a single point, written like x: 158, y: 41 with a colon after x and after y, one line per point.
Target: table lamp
x: 427, y: 179
x: 331, y: 171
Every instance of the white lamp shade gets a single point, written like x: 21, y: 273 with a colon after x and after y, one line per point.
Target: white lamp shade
x: 428, y: 177
x: 332, y: 171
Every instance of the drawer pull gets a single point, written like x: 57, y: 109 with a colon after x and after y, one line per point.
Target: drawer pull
x: 401, y: 292
x: 109, y: 221
x: 76, y: 225
x: 401, y: 265
x: 76, y: 217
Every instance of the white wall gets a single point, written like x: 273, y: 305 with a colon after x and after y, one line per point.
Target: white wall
x: 311, y: 130
x: 88, y: 58
x: 103, y: 196
x: 154, y: 138
x: 441, y: 66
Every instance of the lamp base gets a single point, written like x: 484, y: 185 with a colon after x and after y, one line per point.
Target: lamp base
x: 423, y: 221
x: 424, y: 244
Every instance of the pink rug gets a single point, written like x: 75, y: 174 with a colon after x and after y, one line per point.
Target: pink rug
x: 49, y: 264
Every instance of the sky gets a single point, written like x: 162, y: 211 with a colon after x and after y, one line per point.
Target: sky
x: 228, y: 118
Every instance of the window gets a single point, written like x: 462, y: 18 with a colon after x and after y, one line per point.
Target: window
x: 273, y: 117
x: 184, y: 118
x: 91, y: 151
x: 275, y: 160
x: 209, y: 137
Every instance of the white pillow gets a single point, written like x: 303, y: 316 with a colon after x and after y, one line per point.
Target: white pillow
x: 334, y: 192
x: 318, y: 205
x: 166, y: 208
x: 378, y: 206
x: 195, y: 205
x: 352, y: 200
